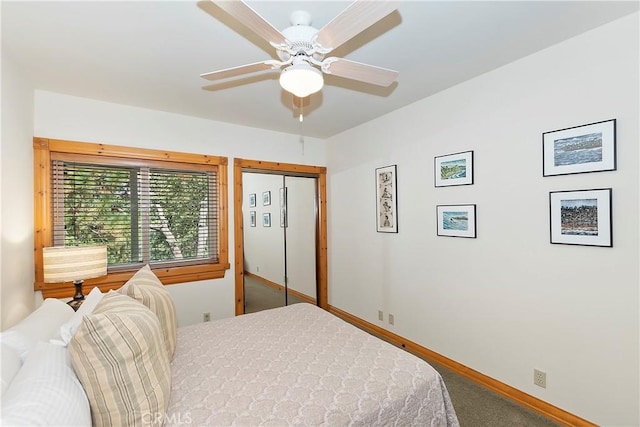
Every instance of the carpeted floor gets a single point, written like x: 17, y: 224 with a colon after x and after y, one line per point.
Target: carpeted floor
x: 474, y: 405
x: 479, y: 407
x: 258, y: 296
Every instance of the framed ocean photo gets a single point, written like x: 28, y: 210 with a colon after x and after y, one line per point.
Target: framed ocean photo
x: 580, y: 149
x: 454, y: 169
x: 456, y: 220
x: 581, y: 217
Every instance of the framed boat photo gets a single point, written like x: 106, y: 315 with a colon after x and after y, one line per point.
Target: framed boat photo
x: 581, y: 217
x: 456, y: 220
x: 580, y: 149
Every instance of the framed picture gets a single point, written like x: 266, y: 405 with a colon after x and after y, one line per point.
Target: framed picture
x: 456, y: 220
x: 266, y: 220
x: 252, y: 200
x: 252, y: 218
x: 454, y: 169
x: 580, y: 149
x: 581, y: 217
x: 266, y: 198
x: 386, y: 200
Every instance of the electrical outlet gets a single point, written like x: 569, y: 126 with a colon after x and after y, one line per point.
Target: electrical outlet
x: 257, y: 269
x: 380, y: 315
x: 540, y: 378
x: 391, y: 319
x: 206, y: 317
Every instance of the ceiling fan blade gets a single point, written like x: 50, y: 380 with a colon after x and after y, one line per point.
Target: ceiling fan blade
x: 358, y: 71
x: 242, y: 69
x: 250, y: 18
x: 357, y: 17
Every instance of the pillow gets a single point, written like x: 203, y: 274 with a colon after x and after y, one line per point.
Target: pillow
x: 10, y: 364
x: 70, y: 326
x: 145, y: 287
x: 46, y: 391
x: 41, y: 325
x: 119, y: 355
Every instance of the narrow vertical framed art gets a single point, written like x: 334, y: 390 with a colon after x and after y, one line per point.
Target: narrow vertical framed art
x: 386, y: 200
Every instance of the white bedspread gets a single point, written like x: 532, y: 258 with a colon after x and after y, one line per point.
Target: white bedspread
x: 299, y: 365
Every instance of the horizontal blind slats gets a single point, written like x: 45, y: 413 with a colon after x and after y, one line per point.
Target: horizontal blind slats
x: 142, y: 214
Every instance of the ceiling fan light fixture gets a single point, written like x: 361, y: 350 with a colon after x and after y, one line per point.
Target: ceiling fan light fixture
x: 301, y: 79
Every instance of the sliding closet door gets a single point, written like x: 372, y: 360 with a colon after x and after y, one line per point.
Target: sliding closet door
x: 264, y: 246
x: 300, y: 239
x: 279, y: 232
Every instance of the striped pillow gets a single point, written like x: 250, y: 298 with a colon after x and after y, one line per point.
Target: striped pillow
x: 145, y: 287
x: 119, y: 356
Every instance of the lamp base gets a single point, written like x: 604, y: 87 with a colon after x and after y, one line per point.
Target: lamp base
x: 78, y: 298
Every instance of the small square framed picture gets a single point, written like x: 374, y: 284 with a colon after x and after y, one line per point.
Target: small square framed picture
x: 266, y: 220
x: 454, y: 169
x: 456, y: 220
x: 266, y: 198
x: 252, y: 218
x: 580, y: 149
x: 252, y: 200
x: 581, y: 217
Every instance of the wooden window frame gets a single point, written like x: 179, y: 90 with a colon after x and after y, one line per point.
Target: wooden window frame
x: 45, y: 148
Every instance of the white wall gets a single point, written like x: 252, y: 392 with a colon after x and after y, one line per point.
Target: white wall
x: 509, y: 301
x: 16, y: 209
x: 78, y: 119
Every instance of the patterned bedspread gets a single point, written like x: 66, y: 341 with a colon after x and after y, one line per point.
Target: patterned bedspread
x: 299, y: 365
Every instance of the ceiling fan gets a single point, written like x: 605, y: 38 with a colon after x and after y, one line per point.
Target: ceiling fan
x: 302, y: 48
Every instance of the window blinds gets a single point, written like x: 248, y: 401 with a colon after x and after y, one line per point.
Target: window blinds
x: 143, y: 214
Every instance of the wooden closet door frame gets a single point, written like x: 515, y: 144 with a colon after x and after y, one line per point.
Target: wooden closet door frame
x: 287, y: 169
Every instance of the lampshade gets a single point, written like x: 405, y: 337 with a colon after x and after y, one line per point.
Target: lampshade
x: 301, y: 79
x: 74, y: 263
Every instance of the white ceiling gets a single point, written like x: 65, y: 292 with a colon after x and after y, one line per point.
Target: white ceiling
x: 150, y: 53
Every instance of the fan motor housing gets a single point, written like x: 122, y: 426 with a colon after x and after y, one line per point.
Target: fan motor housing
x: 301, y: 35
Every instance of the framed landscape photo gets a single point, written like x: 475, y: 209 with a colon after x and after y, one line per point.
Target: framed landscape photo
x: 266, y: 220
x: 454, y: 169
x: 252, y: 218
x: 456, y: 220
x: 581, y: 217
x: 386, y: 200
x: 580, y: 149
x: 266, y: 198
x: 252, y: 200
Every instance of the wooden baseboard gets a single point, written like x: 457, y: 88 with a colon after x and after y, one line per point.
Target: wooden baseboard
x: 293, y: 292
x: 540, y: 406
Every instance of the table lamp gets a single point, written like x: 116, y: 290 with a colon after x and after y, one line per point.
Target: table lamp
x: 74, y: 263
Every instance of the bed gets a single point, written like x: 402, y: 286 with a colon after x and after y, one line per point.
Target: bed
x: 299, y: 365
x: 126, y: 363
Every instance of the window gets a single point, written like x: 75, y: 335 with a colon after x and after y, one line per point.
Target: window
x: 148, y: 207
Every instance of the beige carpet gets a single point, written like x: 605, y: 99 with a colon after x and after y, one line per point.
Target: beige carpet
x: 258, y: 296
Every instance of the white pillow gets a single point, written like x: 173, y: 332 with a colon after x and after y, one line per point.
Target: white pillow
x: 41, y: 325
x: 10, y: 364
x: 71, y: 326
x: 46, y: 392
